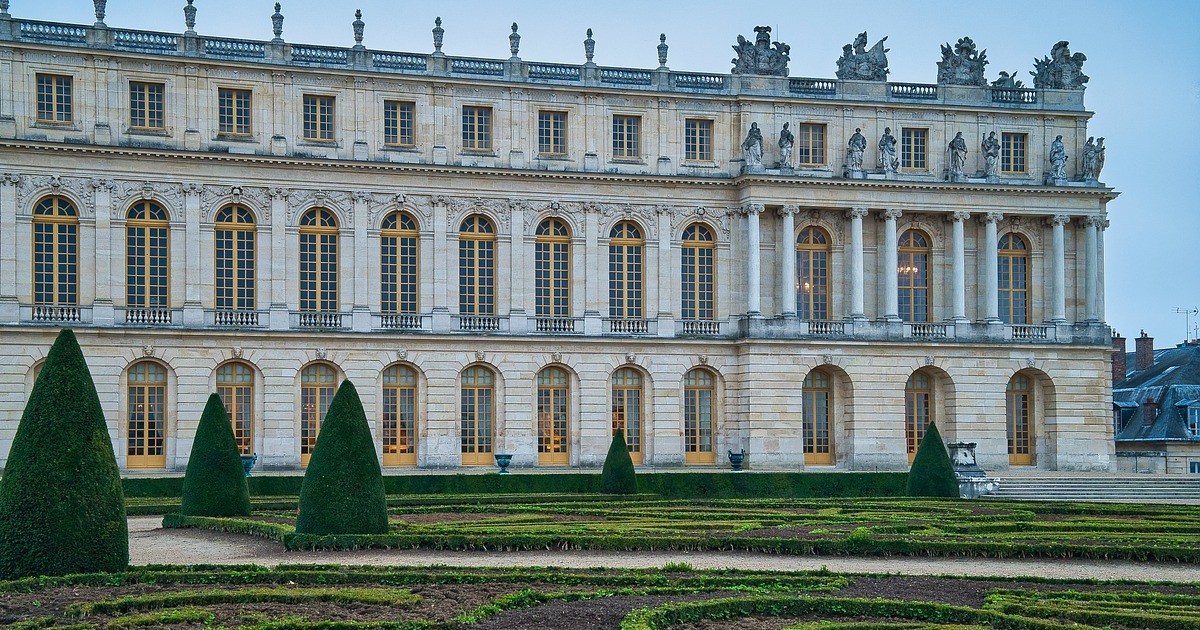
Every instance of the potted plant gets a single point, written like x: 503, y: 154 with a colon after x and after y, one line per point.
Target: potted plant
x: 503, y: 460
x: 736, y: 460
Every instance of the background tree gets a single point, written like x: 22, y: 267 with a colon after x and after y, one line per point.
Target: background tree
x: 932, y: 474
x: 618, y: 476
x: 215, y: 482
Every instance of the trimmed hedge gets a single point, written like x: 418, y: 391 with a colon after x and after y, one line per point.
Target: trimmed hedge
x: 618, y: 476
x: 932, y: 474
x: 215, y: 482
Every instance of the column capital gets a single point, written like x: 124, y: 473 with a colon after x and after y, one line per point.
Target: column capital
x: 856, y: 213
x: 662, y: 209
x: 753, y: 208
x: 517, y: 205
x: 788, y: 210
x: 361, y: 197
x: 959, y: 216
x: 1096, y: 221
x: 993, y: 217
x: 279, y: 193
x: 191, y: 189
x: 101, y: 184
x: 592, y: 208
x: 891, y: 213
x: 1059, y: 219
x: 10, y: 179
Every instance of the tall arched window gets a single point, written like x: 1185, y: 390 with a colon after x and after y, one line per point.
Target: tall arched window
x: 918, y: 410
x: 625, y: 283
x: 699, y: 394
x: 552, y: 269
x: 913, y: 280
x: 318, y: 384
x: 1019, y: 418
x: 627, y: 409
x: 698, y: 267
x: 399, y: 416
x: 476, y: 266
x: 812, y: 274
x: 55, y: 253
x: 146, y: 429
x: 398, y: 264
x: 477, y: 415
x: 1014, y: 279
x: 146, y: 257
x: 817, y: 396
x: 234, y: 264
x: 319, y: 261
x: 235, y: 386
x: 554, y: 417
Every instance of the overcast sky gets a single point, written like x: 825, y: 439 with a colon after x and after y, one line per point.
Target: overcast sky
x: 1143, y: 59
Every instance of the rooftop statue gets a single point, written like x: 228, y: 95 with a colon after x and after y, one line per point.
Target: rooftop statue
x: 859, y: 64
x: 962, y: 65
x: 761, y: 57
x: 1007, y: 80
x: 1061, y: 70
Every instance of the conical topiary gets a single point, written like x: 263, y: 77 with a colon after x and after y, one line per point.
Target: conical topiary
x: 931, y: 474
x: 215, y: 482
x: 618, y: 476
x: 62, y: 509
x: 342, y: 491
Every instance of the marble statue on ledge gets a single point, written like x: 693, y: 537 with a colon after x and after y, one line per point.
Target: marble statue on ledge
x: 859, y: 64
x: 1008, y: 81
x: 854, y: 154
x: 991, y: 156
x: 752, y: 149
x: 1061, y: 70
x: 1090, y: 160
x: 1058, y: 161
x: 962, y: 65
x: 786, y: 140
x: 1099, y: 156
x: 887, y: 152
x: 762, y: 56
x: 958, y: 157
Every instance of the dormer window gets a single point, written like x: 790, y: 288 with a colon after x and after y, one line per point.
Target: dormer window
x: 1193, y: 420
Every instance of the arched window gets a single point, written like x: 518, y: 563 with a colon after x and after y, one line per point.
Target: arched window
x: 146, y: 256
x: 399, y: 416
x: 625, y: 283
x: 477, y: 415
x: 318, y: 384
x: 233, y: 234
x: 699, y: 394
x: 913, y: 278
x: 319, y: 262
x: 812, y: 274
x: 554, y: 417
x: 552, y: 269
x: 918, y: 410
x: 476, y: 267
x: 146, y: 429
x: 817, y: 396
x: 1019, y: 418
x: 698, y: 273
x: 235, y: 386
x: 627, y: 409
x: 55, y: 253
x: 398, y: 266
x: 1014, y: 279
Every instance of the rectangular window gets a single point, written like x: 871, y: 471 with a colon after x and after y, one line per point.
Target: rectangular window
x: 810, y: 144
x: 53, y: 99
x: 398, y: 123
x: 146, y: 105
x: 1194, y: 421
x: 233, y: 112
x: 318, y: 118
x: 1012, y: 152
x: 697, y: 140
x: 476, y: 128
x: 913, y: 149
x: 1194, y: 468
x: 627, y: 137
x: 552, y: 133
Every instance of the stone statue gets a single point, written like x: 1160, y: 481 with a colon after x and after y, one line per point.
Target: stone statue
x: 762, y: 57
x: 859, y: 64
x: 857, y: 147
x: 786, y: 140
x: 1090, y: 157
x: 1061, y: 70
x: 962, y: 65
x: 887, y: 152
x: 1099, y: 156
x: 991, y: 154
x: 752, y: 147
x: 958, y: 156
x: 1058, y: 159
x: 1007, y: 80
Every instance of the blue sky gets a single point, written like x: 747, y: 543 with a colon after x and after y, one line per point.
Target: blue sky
x: 1143, y: 59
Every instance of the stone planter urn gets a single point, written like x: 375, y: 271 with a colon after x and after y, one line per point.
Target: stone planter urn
x: 503, y: 460
x: 736, y: 460
x: 248, y: 463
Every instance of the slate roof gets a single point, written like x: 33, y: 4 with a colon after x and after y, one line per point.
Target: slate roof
x: 1173, y: 381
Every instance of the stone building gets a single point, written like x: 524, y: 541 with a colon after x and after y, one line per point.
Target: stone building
x: 521, y: 257
x: 1156, y: 407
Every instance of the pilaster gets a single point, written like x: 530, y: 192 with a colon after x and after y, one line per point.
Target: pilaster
x: 9, y: 309
x: 193, y: 311
x: 103, y: 313
x: 666, y: 297
x: 280, y: 319
x: 595, y: 274
x: 441, y: 259
x: 360, y: 316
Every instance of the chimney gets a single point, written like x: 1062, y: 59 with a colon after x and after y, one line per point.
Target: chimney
x: 1143, y: 352
x: 1149, y: 411
x: 1120, y: 366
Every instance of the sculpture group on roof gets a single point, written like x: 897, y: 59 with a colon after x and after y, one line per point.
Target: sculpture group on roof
x: 859, y: 64
x: 763, y: 56
x: 962, y: 65
x: 1061, y: 70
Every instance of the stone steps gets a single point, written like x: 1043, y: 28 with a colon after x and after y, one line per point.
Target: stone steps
x: 1132, y: 489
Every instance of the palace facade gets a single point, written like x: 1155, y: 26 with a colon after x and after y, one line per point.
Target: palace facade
x: 518, y: 257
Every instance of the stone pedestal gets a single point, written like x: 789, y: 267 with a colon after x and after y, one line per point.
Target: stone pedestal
x: 973, y: 482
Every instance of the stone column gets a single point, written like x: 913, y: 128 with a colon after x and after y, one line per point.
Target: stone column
x: 960, y: 265
x: 753, y: 260
x: 1058, y: 301
x: 193, y: 310
x: 441, y: 260
x: 9, y: 307
x: 518, y: 317
x: 1092, y: 271
x: 360, y: 316
x: 891, y: 261
x: 102, y: 308
x: 991, y: 266
x: 666, y: 293
x: 279, y: 299
x: 785, y: 250
x: 857, y: 307
x: 595, y: 274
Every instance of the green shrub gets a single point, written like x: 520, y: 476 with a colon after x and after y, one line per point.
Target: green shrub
x: 342, y: 491
x: 61, y: 506
x: 215, y: 482
x: 618, y: 476
x: 931, y: 474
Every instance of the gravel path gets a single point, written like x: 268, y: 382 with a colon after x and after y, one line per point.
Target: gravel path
x: 150, y: 544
